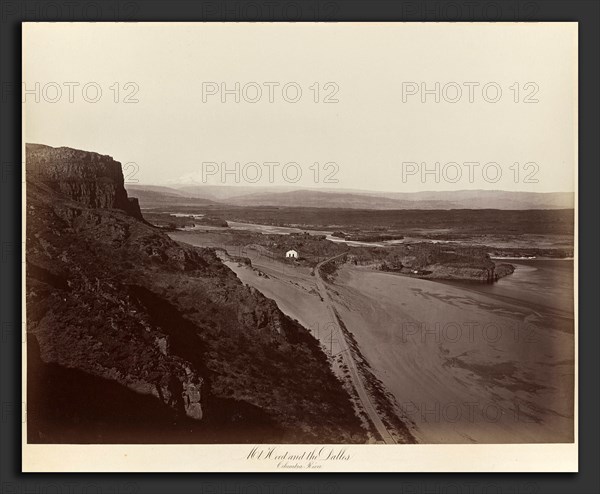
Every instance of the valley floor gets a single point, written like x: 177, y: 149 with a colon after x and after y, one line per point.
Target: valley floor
x: 460, y: 364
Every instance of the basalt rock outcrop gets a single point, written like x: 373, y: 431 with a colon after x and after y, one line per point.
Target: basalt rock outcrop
x: 470, y: 265
x: 92, y: 179
x: 487, y: 274
x: 133, y: 337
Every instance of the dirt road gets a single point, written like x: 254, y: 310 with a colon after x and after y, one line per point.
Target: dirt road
x: 462, y: 365
x: 306, y: 299
x: 349, y: 360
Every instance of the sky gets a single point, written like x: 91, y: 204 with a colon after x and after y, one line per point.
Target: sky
x: 331, y: 105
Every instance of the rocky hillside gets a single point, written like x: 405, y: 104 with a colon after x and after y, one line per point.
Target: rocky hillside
x: 89, y: 178
x: 133, y: 337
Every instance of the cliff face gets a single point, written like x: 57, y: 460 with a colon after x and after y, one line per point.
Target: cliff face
x: 468, y: 264
x: 92, y: 179
x: 133, y: 337
x: 469, y: 273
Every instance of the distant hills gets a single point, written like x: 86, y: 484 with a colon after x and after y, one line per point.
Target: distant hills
x: 152, y: 196
x: 155, y: 196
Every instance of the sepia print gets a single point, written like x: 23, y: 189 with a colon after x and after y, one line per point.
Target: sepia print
x: 312, y: 246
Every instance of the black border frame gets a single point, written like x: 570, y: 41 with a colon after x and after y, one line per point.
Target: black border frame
x: 13, y: 12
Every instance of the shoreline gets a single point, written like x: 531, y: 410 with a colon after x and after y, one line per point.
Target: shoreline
x: 382, y: 314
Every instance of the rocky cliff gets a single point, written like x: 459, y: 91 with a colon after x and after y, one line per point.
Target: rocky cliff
x: 445, y: 262
x: 91, y: 179
x: 133, y: 337
x: 487, y: 274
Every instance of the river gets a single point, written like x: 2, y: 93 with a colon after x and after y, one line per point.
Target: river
x: 544, y: 284
x: 464, y: 361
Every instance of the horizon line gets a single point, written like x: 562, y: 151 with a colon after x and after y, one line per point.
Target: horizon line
x: 333, y: 189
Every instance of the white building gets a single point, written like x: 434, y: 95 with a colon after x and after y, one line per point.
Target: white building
x: 291, y: 253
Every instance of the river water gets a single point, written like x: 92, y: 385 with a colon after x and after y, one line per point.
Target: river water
x: 546, y: 285
x: 518, y: 375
